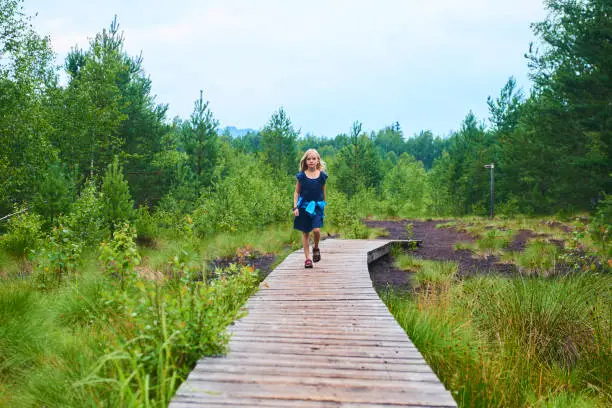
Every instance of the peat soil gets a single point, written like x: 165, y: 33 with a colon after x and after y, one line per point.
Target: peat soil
x: 258, y: 261
x: 437, y: 244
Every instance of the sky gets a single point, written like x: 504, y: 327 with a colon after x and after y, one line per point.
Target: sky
x: 328, y: 63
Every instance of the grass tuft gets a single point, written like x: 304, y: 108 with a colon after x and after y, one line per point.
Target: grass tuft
x: 522, y: 342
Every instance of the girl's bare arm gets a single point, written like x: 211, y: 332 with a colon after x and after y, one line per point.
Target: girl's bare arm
x: 296, y: 195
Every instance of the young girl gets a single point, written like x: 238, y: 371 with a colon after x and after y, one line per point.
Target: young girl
x: 309, y: 203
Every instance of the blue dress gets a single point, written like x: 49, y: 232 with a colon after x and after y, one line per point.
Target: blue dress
x: 311, y: 190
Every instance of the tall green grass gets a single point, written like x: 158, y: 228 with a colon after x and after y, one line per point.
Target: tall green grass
x: 46, y: 343
x: 520, y: 342
x: 91, y: 342
x: 166, y: 327
x: 491, y: 242
x: 538, y: 258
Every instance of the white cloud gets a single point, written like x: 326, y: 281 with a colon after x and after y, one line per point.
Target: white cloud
x: 354, y: 58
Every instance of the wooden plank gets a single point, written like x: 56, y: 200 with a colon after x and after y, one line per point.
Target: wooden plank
x: 325, y: 312
x: 330, y: 301
x: 271, y: 285
x: 317, y: 335
x: 316, y: 292
x: 254, y: 371
x: 305, y: 323
x: 322, y: 316
x: 279, y: 306
x: 320, y: 392
x: 297, y: 326
x: 224, y: 402
x: 282, y: 359
x: 307, y: 308
x: 304, y: 298
x: 319, y: 341
x: 321, y: 324
x: 302, y: 377
x: 342, y: 332
x: 328, y: 350
x: 319, y: 315
x: 313, y: 363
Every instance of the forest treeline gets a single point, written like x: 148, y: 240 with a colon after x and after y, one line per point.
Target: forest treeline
x: 100, y: 143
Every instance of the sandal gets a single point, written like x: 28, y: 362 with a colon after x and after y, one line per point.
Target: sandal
x: 316, y: 254
x: 308, y: 264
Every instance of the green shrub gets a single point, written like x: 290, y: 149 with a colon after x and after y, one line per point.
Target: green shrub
x: 55, y: 194
x: 146, y: 226
x: 171, y: 221
x: 480, y: 209
x: 436, y: 274
x: 494, y: 240
x: 548, y: 319
x: 86, y: 220
x: 169, y: 326
x: 344, y: 216
x: 404, y: 187
x: 246, y: 198
x: 519, y: 342
x: 117, y: 204
x: 60, y: 256
x: 509, y: 208
x: 409, y: 230
x: 407, y: 262
x: 578, y: 256
x: 538, y: 257
x: 24, y: 330
x: 23, y: 234
x: 81, y: 304
x: 120, y: 255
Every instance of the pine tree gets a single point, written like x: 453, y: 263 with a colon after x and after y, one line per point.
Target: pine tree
x: 199, y: 139
x: 117, y: 204
x: 279, y: 142
x: 358, y: 164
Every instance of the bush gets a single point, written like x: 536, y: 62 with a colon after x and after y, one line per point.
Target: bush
x: 117, y: 205
x: 539, y: 257
x: 120, y: 255
x: 494, y: 240
x: 86, y: 220
x: 404, y: 187
x: 170, y: 219
x: 146, y: 226
x: 23, y: 235
x: 169, y: 326
x: 578, y: 256
x: 55, y: 194
x: 343, y: 216
x: 545, y: 318
x: 61, y: 255
x: 509, y: 208
x: 248, y: 197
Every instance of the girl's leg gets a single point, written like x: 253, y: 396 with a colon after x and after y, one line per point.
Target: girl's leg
x: 306, y: 244
x: 316, y: 254
x: 316, y: 236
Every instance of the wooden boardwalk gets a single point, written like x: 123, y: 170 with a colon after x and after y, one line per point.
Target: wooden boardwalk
x: 317, y: 337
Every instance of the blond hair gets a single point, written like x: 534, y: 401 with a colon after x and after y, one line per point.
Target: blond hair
x: 320, y: 164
